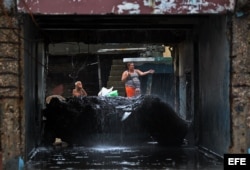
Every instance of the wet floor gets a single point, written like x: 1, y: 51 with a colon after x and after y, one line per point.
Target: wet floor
x: 146, y: 156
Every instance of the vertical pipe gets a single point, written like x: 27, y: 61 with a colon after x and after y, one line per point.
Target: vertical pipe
x: 99, y: 72
x: 149, y: 84
x: 21, y: 117
x: 197, y: 117
x: 177, y: 79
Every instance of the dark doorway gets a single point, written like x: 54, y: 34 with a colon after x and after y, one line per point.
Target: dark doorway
x: 105, y: 32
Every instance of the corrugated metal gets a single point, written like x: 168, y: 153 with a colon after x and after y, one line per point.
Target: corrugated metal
x: 126, y: 6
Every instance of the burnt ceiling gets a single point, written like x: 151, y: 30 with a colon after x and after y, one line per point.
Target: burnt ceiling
x: 94, y: 29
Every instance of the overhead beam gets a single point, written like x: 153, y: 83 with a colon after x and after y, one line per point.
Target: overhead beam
x: 125, y: 7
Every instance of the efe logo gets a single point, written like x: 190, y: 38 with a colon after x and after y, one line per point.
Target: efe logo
x: 237, y: 161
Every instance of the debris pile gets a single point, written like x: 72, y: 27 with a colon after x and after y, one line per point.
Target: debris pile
x: 95, y: 120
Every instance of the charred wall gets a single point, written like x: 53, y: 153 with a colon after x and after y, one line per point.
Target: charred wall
x: 214, y: 81
x: 64, y: 70
x: 34, y: 69
x: 203, y: 72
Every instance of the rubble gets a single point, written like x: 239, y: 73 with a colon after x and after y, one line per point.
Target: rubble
x: 112, y: 120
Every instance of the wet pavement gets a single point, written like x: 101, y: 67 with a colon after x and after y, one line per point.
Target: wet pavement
x: 144, y: 156
x: 125, y: 134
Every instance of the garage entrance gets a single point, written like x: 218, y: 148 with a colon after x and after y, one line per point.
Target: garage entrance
x: 63, y: 49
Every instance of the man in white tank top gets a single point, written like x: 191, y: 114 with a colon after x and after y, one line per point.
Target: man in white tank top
x: 131, y: 79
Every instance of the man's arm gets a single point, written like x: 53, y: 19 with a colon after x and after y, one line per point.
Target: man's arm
x: 84, y: 92
x: 145, y: 73
x: 74, y: 92
x: 125, y: 75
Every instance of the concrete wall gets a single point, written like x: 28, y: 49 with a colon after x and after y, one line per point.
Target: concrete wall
x: 214, y: 83
x: 240, y: 82
x: 11, y: 88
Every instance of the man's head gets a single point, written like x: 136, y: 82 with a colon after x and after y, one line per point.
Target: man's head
x: 78, y: 84
x: 130, y: 65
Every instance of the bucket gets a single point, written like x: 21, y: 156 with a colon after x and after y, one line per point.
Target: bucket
x: 113, y: 93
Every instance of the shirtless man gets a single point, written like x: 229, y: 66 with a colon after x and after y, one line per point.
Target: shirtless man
x: 78, y: 91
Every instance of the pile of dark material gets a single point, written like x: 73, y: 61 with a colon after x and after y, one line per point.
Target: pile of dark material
x: 112, y: 120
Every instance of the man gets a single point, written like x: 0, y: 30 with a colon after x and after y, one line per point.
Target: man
x: 131, y: 79
x: 78, y: 91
